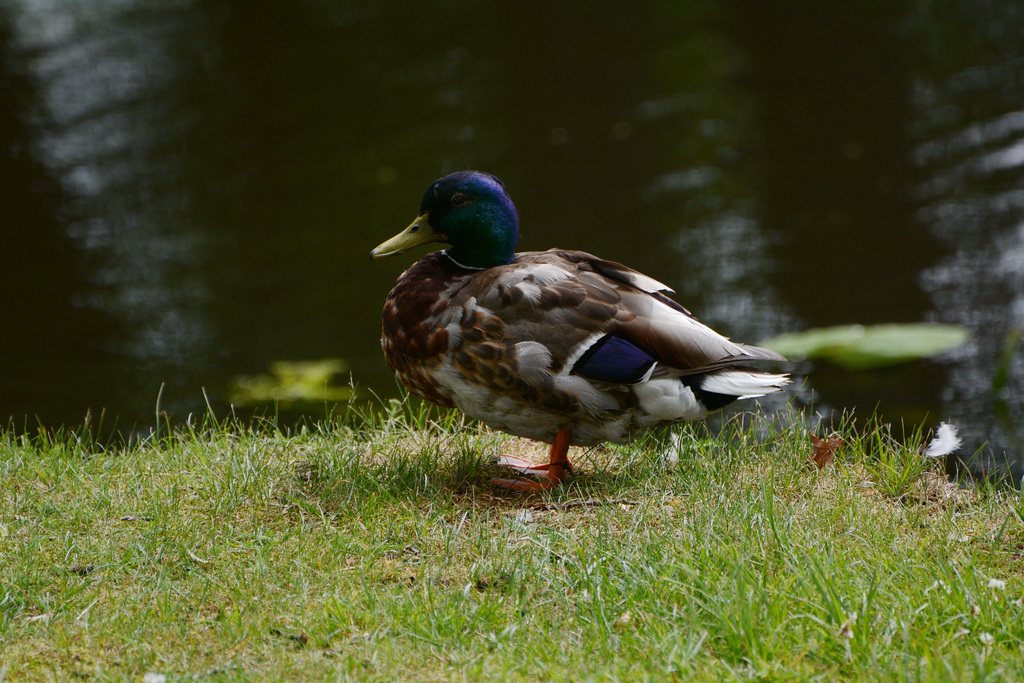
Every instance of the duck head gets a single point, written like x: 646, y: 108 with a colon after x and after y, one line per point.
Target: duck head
x: 468, y: 210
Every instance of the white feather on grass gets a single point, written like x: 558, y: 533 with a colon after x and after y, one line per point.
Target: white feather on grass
x: 945, y: 442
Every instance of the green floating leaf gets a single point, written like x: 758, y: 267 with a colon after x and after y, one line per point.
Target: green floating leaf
x: 857, y: 346
x: 292, y: 381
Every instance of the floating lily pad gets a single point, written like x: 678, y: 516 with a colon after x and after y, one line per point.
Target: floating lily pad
x: 292, y: 381
x: 857, y: 346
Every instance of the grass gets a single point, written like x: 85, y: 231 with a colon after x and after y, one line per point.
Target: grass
x: 375, y: 548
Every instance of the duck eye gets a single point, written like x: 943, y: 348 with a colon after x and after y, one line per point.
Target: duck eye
x: 458, y: 199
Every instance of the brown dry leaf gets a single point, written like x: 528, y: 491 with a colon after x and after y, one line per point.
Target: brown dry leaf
x: 825, y: 450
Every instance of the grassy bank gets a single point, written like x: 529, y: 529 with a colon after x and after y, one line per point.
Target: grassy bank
x: 378, y: 550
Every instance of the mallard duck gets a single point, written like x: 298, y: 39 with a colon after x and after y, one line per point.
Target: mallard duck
x: 557, y: 346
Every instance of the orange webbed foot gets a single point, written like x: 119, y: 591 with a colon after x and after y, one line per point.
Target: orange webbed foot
x: 553, y: 472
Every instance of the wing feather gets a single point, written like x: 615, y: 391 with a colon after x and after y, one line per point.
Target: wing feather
x: 566, y: 300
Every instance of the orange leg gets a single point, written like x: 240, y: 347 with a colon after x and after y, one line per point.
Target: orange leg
x: 556, y: 469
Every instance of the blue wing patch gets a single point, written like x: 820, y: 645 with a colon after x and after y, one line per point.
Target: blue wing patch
x: 614, y: 359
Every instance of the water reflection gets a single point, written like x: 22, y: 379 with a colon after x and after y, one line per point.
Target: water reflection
x: 971, y: 151
x: 195, y: 185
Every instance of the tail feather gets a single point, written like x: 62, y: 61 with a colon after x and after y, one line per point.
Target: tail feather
x: 743, y: 383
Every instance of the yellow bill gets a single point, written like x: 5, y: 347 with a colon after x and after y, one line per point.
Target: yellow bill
x: 420, y: 232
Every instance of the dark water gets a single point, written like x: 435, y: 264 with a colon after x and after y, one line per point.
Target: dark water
x: 189, y: 190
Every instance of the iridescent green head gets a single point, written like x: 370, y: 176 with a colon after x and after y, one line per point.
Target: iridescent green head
x: 470, y: 211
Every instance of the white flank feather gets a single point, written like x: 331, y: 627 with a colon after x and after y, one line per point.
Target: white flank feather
x: 669, y: 399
